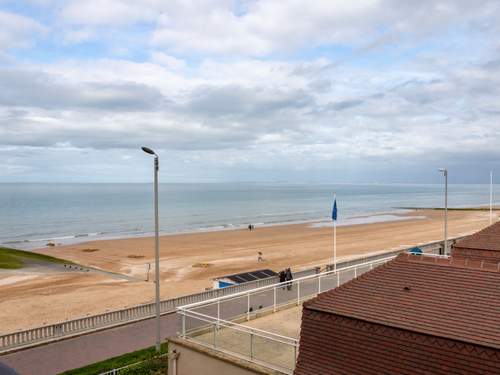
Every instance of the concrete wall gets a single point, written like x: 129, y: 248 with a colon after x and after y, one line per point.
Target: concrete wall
x: 194, y: 359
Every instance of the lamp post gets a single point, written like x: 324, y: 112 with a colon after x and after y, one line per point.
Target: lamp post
x: 491, y: 197
x: 157, y: 248
x: 444, y: 171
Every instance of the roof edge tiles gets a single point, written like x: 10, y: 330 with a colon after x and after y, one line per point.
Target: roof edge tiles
x: 486, y: 239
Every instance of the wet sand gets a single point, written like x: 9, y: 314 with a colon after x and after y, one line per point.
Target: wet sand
x: 189, y: 262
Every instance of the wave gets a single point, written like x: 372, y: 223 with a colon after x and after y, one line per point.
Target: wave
x: 53, y: 238
x: 13, y: 242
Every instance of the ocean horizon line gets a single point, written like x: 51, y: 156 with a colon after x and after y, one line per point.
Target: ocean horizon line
x: 244, y: 182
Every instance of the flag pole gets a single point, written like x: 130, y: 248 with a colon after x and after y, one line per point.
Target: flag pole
x: 335, y: 238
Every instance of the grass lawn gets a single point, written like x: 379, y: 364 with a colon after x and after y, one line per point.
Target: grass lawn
x: 14, y: 259
x: 150, y: 367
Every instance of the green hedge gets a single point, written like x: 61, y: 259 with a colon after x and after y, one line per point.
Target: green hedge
x: 155, y: 366
x: 152, y: 366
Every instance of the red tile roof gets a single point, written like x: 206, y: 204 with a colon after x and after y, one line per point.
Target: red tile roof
x: 486, y: 239
x: 413, y: 315
x: 335, y: 345
x: 433, y: 296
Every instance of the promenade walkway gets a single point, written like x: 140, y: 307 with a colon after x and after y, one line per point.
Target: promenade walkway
x: 53, y: 358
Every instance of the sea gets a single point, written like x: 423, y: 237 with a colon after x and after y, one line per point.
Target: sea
x: 34, y: 214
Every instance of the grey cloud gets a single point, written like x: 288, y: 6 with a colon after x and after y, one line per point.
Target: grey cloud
x: 21, y: 130
x: 320, y: 85
x: 493, y: 65
x: 237, y: 101
x: 344, y: 104
x: 38, y: 89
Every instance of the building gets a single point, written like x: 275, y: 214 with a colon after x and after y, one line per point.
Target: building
x: 482, y: 246
x: 416, y: 314
x: 245, y: 277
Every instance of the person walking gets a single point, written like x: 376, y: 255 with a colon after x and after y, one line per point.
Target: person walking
x: 282, y: 277
x: 288, y: 278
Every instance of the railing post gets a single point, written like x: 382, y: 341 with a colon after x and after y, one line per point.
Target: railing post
x: 338, y: 279
x: 355, y: 272
x: 319, y: 284
x: 183, y: 325
x: 218, y: 313
x: 274, y: 303
x: 251, y: 345
x: 248, y: 306
x: 298, y: 293
x: 214, y: 335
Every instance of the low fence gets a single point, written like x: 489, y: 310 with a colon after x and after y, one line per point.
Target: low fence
x: 265, y: 348
x: 129, y: 369
x: 211, y: 323
x: 75, y: 327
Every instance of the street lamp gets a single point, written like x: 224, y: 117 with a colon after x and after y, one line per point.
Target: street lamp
x: 444, y: 171
x: 491, y: 197
x: 157, y: 248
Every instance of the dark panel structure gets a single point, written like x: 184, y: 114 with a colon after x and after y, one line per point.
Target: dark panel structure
x: 250, y: 276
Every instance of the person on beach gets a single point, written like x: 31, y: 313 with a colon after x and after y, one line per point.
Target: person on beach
x: 259, y: 257
x: 289, y: 278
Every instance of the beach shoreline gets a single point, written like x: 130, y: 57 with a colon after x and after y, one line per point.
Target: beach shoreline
x: 190, y: 262
x: 396, y: 214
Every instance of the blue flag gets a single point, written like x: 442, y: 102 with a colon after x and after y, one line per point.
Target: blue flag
x: 334, y: 211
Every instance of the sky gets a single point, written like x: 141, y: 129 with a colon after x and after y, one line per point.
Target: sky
x: 278, y: 91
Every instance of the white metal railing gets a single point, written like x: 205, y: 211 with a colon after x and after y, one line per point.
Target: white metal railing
x: 38, y: 335
x: 259, y: 346
x: 295, y: 282
x: 202, y: 322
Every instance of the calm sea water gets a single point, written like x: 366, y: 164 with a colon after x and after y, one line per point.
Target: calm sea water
x: 33, y: 214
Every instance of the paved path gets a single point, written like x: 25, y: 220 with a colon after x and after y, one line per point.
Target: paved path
x: 51, y: 359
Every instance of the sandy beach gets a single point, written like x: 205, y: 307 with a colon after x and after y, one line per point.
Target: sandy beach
x: 189, y: 262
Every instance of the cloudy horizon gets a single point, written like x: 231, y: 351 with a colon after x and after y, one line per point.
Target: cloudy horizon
x: 323, y: 91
